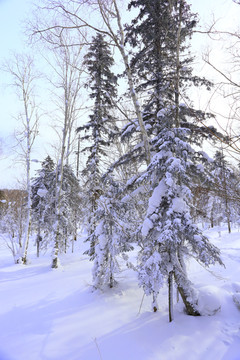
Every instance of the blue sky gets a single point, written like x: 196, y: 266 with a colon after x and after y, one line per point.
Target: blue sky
x: 12, y: 15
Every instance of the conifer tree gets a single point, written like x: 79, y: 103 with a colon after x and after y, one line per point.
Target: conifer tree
x: 68, y: 204
x: 163, y: 67
x: 112, y: 235
x: 159, y: 36
x: 40, y: 186
x: 222, y: 179
x: 100, y: 128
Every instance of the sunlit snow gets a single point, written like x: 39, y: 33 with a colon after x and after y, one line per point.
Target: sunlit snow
x: 50, y: 314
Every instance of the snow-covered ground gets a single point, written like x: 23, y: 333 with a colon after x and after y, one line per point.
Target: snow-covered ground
x: 50, y: 314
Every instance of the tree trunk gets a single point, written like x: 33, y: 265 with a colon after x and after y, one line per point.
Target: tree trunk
x: 38, y: 248
x: 120, y: 43
x: 73, y: 239
x: 39, y: 239
x: 170, y: 296
x: 29, y: 202
x: 26, y: 243
x: 154, y: 303
x: 55, y: 255
x: 187, y: 292
x: 111, y: 281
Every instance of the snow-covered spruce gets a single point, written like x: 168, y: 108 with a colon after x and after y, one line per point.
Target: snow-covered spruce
x: 63, y: 221
x: 41, y: 184
x: 223, y: 191
x: 161, y: 62
x: 112, y: 237
x: 169, y: 234
x: 100, y: 129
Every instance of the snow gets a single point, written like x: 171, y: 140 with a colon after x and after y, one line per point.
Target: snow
x: 236, y: 286
x: 146, y: 227
x: 236, y: 299
x: 50, y: 314
x: 178, y: 205
x: 156, y: 197
x: 42, y: 192
x: 205, y: 156
x: 162, y: 113
x: 209, y: 300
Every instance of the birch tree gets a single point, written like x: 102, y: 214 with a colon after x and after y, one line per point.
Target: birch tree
x: 112, y: 28
x: 66, y: 84
x: 24, y: 76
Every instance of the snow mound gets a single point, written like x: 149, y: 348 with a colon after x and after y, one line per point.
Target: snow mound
x: 209, y: 300
x: 236, y: 286
x: 236, y: 296
x: 236, y: 299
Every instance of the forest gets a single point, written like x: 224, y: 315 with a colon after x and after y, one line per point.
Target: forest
x: 137, y: 173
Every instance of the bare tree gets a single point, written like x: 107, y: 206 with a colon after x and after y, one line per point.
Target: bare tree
x: 225, y: 70
x: 13, y: 218
x: 66, y: 82
x: 24, y: 76
x: 112, y: 26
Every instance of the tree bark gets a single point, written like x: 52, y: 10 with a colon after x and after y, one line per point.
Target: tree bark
x: 170, y: 296
x: 186, y: 291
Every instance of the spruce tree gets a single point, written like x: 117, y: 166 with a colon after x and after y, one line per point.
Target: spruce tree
x: 101, y: 127
x: 169, y: 233
x: 113, y: 236
x: 162, y: 66
x: 39, y: 188
x: 223, y: 178
x: 159, y: 37
x: 69, y: 207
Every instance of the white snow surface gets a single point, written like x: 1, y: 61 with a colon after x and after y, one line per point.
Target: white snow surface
x: 50, y: 314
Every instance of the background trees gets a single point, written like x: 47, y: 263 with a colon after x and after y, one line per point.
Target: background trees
x: 13, y: 220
